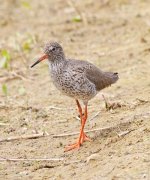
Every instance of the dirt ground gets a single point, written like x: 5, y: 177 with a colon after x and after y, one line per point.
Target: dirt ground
x: 113, y: 35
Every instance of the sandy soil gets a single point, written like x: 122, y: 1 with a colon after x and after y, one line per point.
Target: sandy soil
x: 115, y: 36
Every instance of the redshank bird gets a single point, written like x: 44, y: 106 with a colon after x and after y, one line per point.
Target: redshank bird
x: 78, y: 79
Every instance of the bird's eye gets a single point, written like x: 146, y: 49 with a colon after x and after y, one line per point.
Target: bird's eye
x: 52, y: 48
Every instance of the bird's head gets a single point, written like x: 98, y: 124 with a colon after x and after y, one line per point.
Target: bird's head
x: 52, y: 51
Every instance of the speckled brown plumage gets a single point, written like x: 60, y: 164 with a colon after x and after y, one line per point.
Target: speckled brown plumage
x: 78, y: 79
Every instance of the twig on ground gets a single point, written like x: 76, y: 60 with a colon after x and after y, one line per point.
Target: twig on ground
x: 57, y: 108
x: 120, y: 134
x: 78, y: 117
x: 94, y: 116
x: 71, y: 162
x: 20, y: 76
x: 5, y: 79
x: 87, y: 131
x: 128, y: 121
x: 32, y: 159
x: 106, y: 103
x: 61, y: 121
x: 4, y: 124
x: 62, y: 160
x: 94, y: 156
x: 32, y: 136
x: 13, y: 75
x: 111, y: 106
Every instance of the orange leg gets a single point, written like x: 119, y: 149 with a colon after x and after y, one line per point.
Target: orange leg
x: 79, y: 109
x: 82, y: 136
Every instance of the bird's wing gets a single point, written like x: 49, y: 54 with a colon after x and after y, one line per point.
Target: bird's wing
x: 99, y: 78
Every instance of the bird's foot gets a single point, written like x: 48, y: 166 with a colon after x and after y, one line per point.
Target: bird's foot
x: 72, y: 146
x: 78, y: 143
x: 85, y: 138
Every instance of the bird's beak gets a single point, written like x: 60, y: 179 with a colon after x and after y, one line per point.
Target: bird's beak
x: 45, y: 56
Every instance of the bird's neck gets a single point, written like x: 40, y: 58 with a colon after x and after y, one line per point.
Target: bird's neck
x: 56, y: 65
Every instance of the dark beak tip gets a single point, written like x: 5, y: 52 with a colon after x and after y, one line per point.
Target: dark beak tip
x: 31, y: 66
x: 35, y: 64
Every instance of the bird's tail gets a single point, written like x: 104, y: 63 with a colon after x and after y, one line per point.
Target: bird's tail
x: 111, y: 77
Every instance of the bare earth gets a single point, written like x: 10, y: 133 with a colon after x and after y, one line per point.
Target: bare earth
x: 115, y: 36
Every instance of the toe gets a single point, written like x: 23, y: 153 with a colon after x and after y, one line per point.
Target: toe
x: 73, y: 146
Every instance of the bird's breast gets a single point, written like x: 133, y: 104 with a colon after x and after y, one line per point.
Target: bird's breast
x: 73, y: 84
